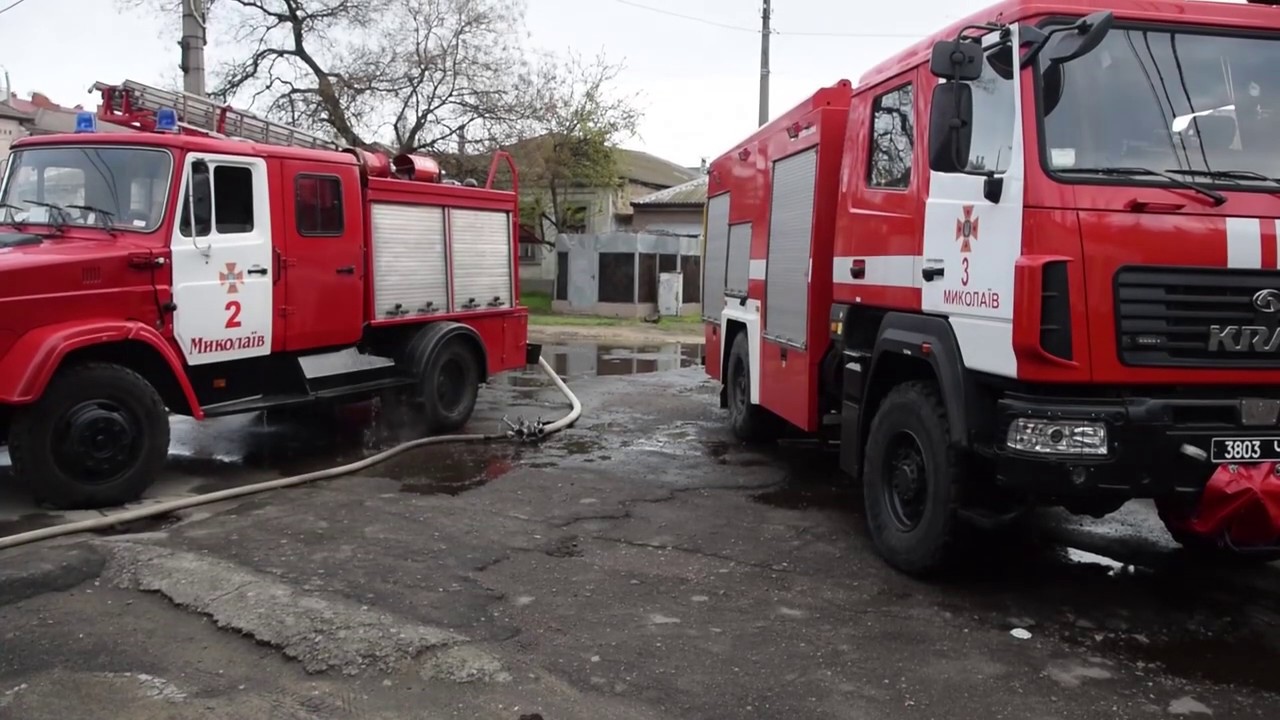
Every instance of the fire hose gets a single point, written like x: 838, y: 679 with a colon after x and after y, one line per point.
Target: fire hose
x: 516, y: 431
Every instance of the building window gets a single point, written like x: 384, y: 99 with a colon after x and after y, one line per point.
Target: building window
x: 529, y: 246
x: 575, y: 220
x: 892, y: 139
x: 318, y: 205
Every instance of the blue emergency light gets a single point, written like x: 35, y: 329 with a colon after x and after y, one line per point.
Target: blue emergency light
x: 86, y: 122
x: 166, y: 120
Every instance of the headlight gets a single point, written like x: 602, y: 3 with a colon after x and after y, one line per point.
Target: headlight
x: 1058, y: 437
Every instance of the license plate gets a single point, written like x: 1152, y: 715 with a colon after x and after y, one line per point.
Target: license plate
x: 1243, y: 450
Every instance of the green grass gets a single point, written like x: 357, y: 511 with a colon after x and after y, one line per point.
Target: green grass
x: 540, y: 313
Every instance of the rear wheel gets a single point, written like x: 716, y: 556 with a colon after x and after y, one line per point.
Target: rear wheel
x: 749, y: 422
x: 98, y: 437
x: 910, y: 480
x: 450, y: 387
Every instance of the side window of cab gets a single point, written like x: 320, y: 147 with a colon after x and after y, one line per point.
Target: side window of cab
x: 892, y: 139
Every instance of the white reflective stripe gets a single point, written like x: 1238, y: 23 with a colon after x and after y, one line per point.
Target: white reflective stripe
x: 756, y: 269
x: 888, y: 270
x: 1244, y: 243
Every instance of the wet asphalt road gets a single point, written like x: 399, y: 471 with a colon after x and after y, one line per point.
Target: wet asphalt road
x: 638, y: 565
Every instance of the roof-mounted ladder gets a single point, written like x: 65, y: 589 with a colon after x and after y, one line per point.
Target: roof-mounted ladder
x: 206, y: 116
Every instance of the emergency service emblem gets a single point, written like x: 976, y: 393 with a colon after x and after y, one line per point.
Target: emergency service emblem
x: 231, y: 279
x: 967, y: 229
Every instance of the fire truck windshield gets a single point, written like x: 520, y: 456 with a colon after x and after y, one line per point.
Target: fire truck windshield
x: 1202, y: 106
x: 119, y: 187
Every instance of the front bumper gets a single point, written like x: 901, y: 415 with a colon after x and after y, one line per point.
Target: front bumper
x: 1145, y: 445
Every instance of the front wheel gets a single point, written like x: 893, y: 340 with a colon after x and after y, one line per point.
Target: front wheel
x: 910, y: 480
x: 98, y: 437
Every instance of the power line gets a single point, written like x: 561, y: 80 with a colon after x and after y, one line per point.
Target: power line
x: 11, y: 6
x: 682, y: 16
x: 756, y: 31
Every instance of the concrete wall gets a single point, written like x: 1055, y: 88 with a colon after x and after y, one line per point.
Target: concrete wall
x: 677, y: 221
x: 584, y: 263
x: 599, y: 204
x: 10, y: 131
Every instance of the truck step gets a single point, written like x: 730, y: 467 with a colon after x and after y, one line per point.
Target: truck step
x: 259, y: 403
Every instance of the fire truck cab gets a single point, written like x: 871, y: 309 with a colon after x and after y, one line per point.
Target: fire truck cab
x: 216, y: 263
x: 1030, y: 260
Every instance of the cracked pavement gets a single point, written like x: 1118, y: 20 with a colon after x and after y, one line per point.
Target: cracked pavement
x: 639, y: 565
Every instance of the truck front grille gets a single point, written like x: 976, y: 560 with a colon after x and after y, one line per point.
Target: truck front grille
x: 1188, y: 317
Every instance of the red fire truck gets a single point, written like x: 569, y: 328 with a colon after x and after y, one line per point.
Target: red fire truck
x: 214, y: 263
x: 1030, y: 260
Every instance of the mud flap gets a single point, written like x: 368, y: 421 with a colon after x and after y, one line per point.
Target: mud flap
x: 1240, y: 505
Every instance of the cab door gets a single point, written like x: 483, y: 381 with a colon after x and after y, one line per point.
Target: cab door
x: 222, y: 260
x: 973, y: 220
x: 323, y: 256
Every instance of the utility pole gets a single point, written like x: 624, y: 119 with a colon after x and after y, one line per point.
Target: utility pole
x: 192, y: 44
x: 764, y: 62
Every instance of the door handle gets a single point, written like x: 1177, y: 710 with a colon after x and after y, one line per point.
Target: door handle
x: 347, y: 270
x: 257, y: 270
x: 931, y: 273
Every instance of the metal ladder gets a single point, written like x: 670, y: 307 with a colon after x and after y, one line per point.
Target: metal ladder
x: 206, y: 116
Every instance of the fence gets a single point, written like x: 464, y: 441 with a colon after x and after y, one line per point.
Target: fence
x: 619, y: 274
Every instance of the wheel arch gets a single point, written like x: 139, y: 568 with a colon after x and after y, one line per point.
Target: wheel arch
x: 742, y: 318
x: 422, y: 346
x: 28, y: 367
x: 919, y: 347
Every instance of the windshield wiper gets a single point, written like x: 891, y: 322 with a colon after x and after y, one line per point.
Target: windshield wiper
x: 104, y: 216
x: 1217, y: 197
x: 12, y: 220
x: 1230, y: 175
x: 61, y: 213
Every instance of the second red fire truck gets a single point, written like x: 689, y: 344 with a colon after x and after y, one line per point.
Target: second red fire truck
x: 1031, y: 260
x: 215, y: 263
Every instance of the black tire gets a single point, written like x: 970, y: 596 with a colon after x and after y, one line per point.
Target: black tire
x: 750, y: 423
x: 909, y: 437
x: 98, y: 437
x: 449, y: 387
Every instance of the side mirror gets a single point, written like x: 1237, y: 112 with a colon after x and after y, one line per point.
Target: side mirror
x: 950, y: 127
x: 1080, y: 38
x: 956, y: 60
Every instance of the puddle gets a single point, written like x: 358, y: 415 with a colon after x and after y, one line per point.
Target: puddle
x: 448, y: 472
x: 1239, y: 661
x: 28, y: 522
x: 811, y: 496
x: 595, y: 360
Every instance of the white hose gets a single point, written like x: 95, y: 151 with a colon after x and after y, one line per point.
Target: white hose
x: 167, y: 507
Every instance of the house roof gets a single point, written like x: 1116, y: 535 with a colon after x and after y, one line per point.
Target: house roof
x: 634, y: 165
x: 689, y: 194
x: 13, y: 113
x: 42, y: 116
x: 646, y: 169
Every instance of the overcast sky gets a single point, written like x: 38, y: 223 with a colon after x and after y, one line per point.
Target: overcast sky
x: 699, y: 74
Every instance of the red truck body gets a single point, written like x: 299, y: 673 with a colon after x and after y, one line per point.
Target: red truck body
x: 1019, y: 249
x: 313, y: 274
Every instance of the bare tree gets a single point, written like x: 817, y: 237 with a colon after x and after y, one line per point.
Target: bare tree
x: 576, y: 121
x: 412, y: 74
